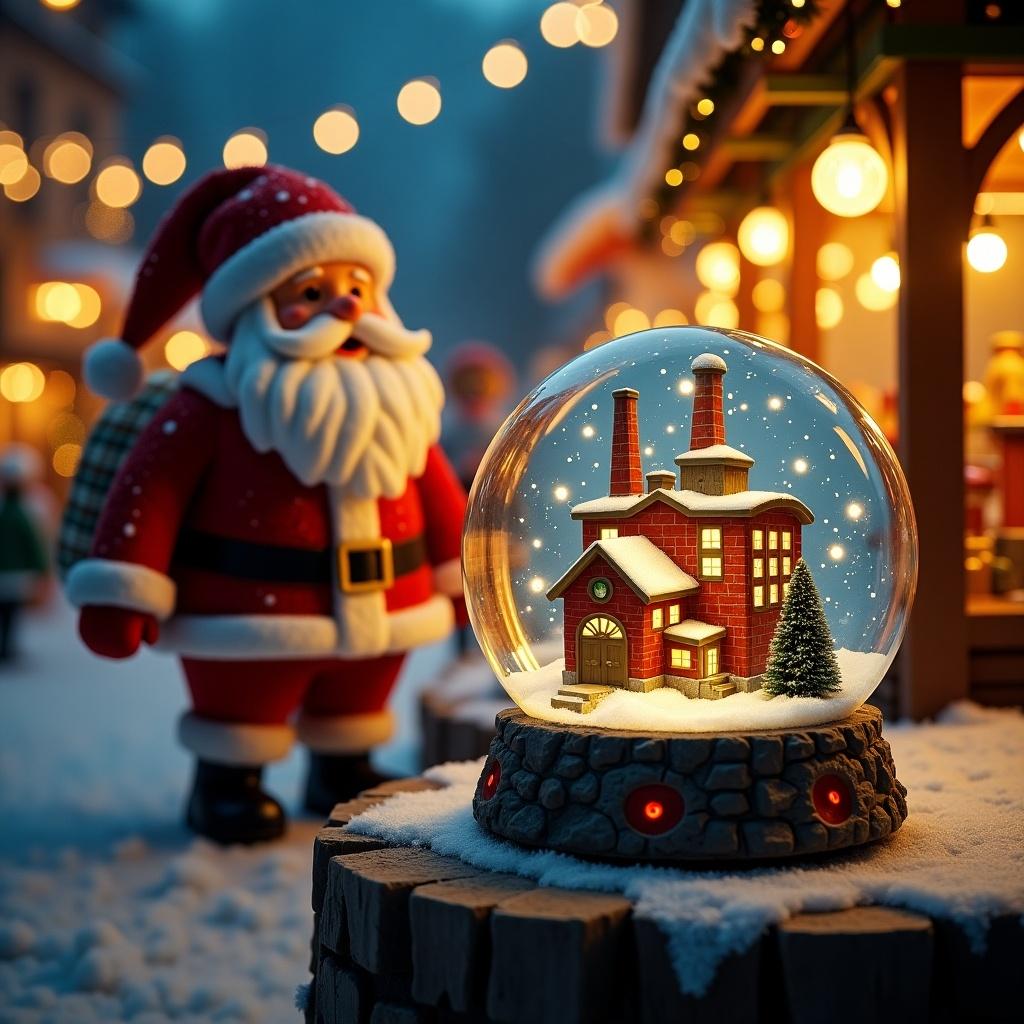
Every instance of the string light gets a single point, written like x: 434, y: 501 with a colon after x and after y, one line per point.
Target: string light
x: 757, y: 44
x: 504, y: 65
x: 68, y: 158
x: 986, y: 250
x: 419, y: 101
x: 705, y: 107
x: 763, y: 236
x: 691, y: 141
x: 673, y: 177
x: 779, y: 46
x: 336, y: 131
x: 246, y: 148
x: 849, y: 178
x: 164, y: 162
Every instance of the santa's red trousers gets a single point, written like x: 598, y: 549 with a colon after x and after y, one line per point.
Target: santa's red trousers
x: 270, y: 692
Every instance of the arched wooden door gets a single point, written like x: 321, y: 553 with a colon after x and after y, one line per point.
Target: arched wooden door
x: 601, y: 651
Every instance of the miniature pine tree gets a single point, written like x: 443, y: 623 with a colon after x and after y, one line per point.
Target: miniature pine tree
x: 802, y: 661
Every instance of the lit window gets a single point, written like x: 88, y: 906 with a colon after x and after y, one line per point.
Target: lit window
x: 757, y: 540
x: 759, y: 596
x: 711, y: 661
x: 657, y: 618
x: 773, y: 540
x: 758, y: 568
x: 673, y: 614
x: 773, y: 567
x: 681, y: 658
x: 710, y: 553
x: 711, y: 568
x: 609, y: 532
x: 785, y: 590
x: 711, y: 537
x: 787, y: 540
x: 773, y: 593
x: 787, y: 565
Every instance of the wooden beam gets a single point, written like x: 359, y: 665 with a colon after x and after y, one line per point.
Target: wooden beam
x: 758, y: 147
x: 926, y: 130
x: 799, y: 90
x: 809, y: 222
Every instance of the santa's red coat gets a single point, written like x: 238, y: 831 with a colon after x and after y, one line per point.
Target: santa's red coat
x: 193, y: 470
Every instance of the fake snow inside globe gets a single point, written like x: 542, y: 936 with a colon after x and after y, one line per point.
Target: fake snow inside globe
x: 689, y: 530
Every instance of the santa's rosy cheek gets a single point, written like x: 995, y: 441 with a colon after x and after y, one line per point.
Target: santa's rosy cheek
x: 293, y: 316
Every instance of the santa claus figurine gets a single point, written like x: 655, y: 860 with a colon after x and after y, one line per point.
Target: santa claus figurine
x: 286, y: 523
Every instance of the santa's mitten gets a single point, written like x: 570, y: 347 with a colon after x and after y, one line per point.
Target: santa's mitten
x: 116, y: 632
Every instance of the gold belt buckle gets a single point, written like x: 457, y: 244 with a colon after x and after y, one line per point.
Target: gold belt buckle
x: 387, y: 566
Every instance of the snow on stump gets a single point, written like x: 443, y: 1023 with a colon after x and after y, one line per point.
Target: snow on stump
x: 669, y: 797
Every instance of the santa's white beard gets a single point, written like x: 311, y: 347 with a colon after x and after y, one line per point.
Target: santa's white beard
x: 362, y: 425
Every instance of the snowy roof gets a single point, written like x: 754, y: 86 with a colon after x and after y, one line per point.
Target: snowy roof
x: 693, y: 503
x: 714, y: 453
x: 709, y: 361
x: 694, y: 631
x: 650, y: 573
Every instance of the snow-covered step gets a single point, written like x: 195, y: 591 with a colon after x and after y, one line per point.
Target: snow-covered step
x: 723, y: 690
x: 580, y: 704
x: 588, y: 691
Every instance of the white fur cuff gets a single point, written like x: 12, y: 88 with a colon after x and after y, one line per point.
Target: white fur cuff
x: 238, y: 743
x: 345, y: 734
x: 448, y: 578
x: 103, y: 581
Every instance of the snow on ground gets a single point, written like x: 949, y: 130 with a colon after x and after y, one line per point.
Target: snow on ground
x: 960, y: 854
x: 667, y: 710
x: 109, y: 909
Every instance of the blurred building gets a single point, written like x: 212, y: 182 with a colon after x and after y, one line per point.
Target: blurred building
x: 62, y: 90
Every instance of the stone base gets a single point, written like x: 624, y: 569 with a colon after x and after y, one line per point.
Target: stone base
x: 670, y: 797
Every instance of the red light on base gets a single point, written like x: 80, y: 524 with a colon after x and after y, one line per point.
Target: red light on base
x: 832, y: 798
x: 654, y: 809
x: 489, y: 786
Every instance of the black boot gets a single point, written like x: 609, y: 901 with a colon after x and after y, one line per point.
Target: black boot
x: 335, y: 778
x: 228, y: 805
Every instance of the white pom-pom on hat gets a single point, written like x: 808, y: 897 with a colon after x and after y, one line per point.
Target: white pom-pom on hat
x: 113, y: 369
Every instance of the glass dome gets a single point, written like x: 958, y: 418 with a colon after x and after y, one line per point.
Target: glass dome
x: 637, y: 521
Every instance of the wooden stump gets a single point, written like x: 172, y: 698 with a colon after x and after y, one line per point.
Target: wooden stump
x: 409, y: 937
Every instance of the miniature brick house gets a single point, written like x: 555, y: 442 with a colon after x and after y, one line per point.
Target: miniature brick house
x: 678, y: 585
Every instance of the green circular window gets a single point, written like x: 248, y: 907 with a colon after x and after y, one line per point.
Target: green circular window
x: 600, y: 589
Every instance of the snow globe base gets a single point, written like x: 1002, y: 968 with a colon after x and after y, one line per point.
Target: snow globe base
x: 646, y: 797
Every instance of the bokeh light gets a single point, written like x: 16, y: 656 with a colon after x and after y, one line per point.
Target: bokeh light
x: 419, y: 101
x: 597, y: 24
x: 885, y: 272
x: 559, y: 25
x: 718, y: 267
x: 630, y: 320
x: 504, y: 65
x: 66, y: 459
x: 336, y: 131
x: 768, y: 295
x: 986, y: 251
x: 68, y: 158
x: 834, y: 261
x: 22, y: 382
x: 108, y: 224
x: 828, y: 308
x: 117, y: 185
x: 713, y: 309
x: 873, y: 297
x: 183, y: 348
x: 246, y: 148
x: 763, y: 236
x: 164, y: 162
x: 849, y: 178
x: 25, y: 187
x: 669, y: 318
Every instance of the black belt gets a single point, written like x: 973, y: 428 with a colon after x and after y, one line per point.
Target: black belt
x: 370, y: 565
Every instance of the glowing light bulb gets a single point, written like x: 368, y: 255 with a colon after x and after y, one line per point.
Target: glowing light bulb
x: 885, y: 272
x: 536, y: 585
x: 763, y: 236
x: 419, y: 101
x: 837, y: 552
x: 561, y: 493
x: 653, y: 810
x: 775, y: 403
x: 986, y: 251
x: 800, y: 466
x: 849, y: 178
x: 685, y: 386
x: 504, y: 65
x: 588, y: 431
x: 247, y: 148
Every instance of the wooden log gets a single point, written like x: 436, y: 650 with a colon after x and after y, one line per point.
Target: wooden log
x: 559, y: 957
x: 451, y: 938
x: 865, y: 964
x: 987, y: 986
x: 344, y: 813
x: 343, y: 993
x: 376, y: 887
x: 732, y: 995
x: 332, y: 842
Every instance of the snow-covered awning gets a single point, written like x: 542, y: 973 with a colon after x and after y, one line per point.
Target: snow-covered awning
x: 648, y: 571
x: 714, y: 453
x: 692, y: 503
x: 693, y: 631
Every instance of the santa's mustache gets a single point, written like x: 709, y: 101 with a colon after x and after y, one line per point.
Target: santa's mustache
x: 325, y: 334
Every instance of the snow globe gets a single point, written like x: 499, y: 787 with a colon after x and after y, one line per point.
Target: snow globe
x: 689, y: 558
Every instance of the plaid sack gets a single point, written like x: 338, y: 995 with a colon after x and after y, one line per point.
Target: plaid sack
x: 105, y: 449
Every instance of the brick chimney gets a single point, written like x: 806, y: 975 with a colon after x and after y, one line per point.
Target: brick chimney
x: 708, y: 423
x: 627, y: 474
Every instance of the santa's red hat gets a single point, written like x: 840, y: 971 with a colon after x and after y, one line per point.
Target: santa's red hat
x: 234, y: 236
